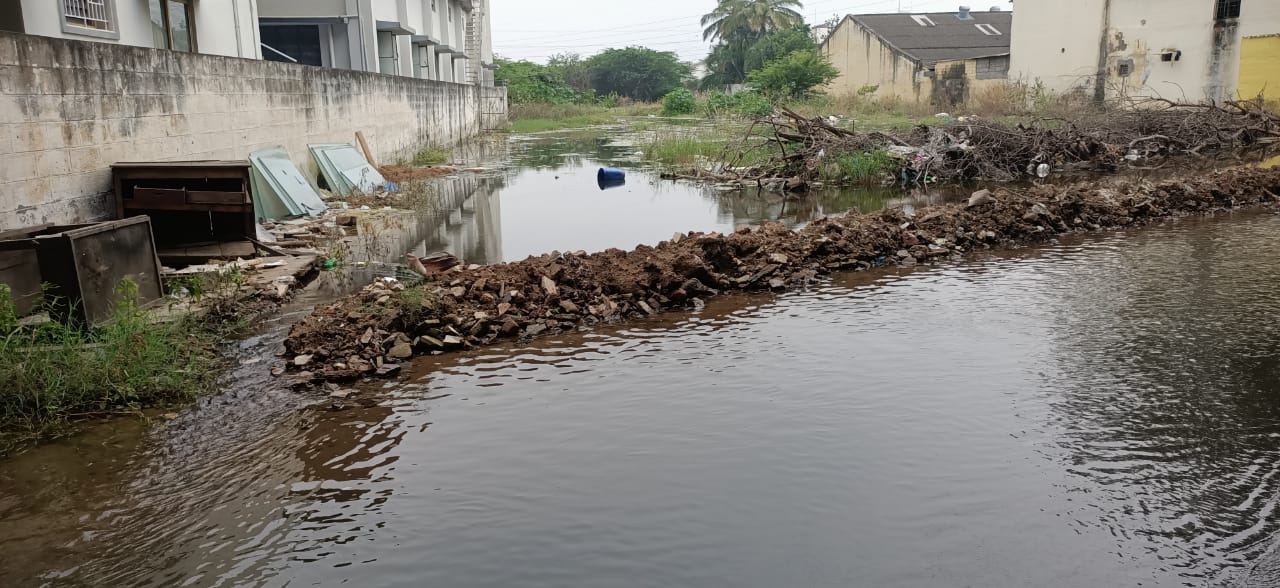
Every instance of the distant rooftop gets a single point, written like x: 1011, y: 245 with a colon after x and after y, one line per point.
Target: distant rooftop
x: 931, y: 37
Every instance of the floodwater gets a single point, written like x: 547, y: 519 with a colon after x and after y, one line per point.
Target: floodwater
x: 1104, y: 411
x: 543, y: 196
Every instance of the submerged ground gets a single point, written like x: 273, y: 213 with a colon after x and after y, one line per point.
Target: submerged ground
x: 1101, y: 411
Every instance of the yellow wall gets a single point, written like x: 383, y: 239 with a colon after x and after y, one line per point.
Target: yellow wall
x: 1260, y: 67
x: 864, y: 61
x: 973, y: 85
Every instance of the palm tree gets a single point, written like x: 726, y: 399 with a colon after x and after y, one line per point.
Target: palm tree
x: 750, y: 18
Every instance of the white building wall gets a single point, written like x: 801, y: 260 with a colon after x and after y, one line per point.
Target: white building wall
x: 218, y: 30
x: 1056, y: 43
x: 1060, y: 43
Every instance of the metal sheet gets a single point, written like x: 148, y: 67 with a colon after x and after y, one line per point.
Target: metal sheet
x: 345, y: 169
x: 280, y: 190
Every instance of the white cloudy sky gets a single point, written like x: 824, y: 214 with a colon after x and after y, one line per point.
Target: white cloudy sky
x: 536, y: 29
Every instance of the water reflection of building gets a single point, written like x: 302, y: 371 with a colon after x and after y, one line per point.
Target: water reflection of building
x: 470, y: 222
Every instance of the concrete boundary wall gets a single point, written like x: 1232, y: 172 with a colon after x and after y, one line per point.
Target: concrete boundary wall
x: 69, y: 109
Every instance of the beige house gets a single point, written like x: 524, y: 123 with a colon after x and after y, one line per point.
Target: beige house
x: 1194, y: 50
x: 939, y: 57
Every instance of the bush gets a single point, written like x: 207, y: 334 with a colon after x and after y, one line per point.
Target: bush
x: 679, y: 101
x: 745, y: 104
x: 431, y: 156
x: 794, y: 76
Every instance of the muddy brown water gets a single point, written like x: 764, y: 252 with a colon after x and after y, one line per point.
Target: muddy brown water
x: 1104, y: 411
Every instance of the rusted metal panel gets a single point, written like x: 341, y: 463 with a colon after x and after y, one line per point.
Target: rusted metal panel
x: 85, y: 264
x: 20, y: 269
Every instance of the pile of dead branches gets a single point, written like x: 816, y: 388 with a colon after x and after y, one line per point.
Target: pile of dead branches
x: 1146, y: 136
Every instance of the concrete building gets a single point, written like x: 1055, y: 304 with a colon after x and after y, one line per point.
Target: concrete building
x: 938, y: 57
x: 214, y: 27
x: 443, y: 40
x: 1195, y: 50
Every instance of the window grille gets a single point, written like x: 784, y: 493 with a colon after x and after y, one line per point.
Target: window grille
x: 92, y: 14
x: 1227, y: 9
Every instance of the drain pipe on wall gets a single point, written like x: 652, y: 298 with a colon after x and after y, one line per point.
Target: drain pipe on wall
x: 1100, y: 84
x: 235, y: 14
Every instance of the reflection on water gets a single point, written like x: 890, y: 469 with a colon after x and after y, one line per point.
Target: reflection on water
x: 1104, y: 412
x: 547, y: 199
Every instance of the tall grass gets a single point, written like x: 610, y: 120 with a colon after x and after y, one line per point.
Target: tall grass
x: 870, y: 167
x: 54, y: 372
x: 683, y: 150
x: 536, y: 117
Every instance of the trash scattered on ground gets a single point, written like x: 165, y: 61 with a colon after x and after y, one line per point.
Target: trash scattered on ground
x: 793, y: 147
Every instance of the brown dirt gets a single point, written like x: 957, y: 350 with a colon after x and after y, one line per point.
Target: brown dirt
x: 402, y: 173
x: 477, y: 306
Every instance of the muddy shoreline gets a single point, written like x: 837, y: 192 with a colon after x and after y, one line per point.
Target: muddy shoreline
x: 389, y: 322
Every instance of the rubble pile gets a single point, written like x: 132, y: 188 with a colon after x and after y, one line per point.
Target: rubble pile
x: 973, y: 148
x: 470, y: 307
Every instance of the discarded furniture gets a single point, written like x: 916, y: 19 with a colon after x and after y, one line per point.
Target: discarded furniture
x: 279, y: 189
x: 200, y: 209
x: 85, y: 264
x: 20, y: 270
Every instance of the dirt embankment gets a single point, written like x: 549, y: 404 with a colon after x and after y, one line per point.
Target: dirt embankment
x: 468, y: 308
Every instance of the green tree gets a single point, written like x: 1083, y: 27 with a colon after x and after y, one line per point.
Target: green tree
x: 737, y: 26
x: 794, y: 76
x: 571, y: 68
x: 532, y: 82
x: 726, y: 64
x: 776, y: 45
x: 637, y: 72
x: 751, y: 18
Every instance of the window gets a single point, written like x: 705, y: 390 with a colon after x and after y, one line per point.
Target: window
x: 993, y: 68
x: 988, y: 30
x: 923, y: 20
x: 173, y: 25
x: 292, y: 44
x: 1227, y: 9
x: 94, y: 18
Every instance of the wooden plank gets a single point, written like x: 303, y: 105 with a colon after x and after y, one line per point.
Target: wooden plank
x: 209, y: 197
x: 131, y: 208
x: 203, y: 253
x: 211, y: 163
x: 149, y: 197
x: 364, y: 146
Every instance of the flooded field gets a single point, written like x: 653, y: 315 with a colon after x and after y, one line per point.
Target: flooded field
x: 1104, y: 411
x: 542, y: 196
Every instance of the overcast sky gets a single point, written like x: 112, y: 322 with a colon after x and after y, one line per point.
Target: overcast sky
x: 536, y: 29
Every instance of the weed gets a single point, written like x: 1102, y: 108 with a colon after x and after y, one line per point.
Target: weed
x: 431, y: 156
x: 535, y: 118
x: 55, y: 372
x: 683, y: 150
x: 862, y: 168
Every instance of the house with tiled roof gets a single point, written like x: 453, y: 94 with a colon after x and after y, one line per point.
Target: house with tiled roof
x: 938, y: 57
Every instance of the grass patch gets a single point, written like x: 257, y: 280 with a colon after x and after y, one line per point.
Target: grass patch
x: 55, y: 373
x: 868, y: 167
x: 431, y: 156
x: 683, y: 151
x: 536, y: 118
